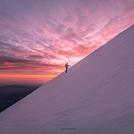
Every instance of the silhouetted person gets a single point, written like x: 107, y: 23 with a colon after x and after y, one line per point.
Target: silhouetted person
x: 66, y: 67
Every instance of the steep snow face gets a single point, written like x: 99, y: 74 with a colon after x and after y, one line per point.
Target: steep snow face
x: 94, y: 97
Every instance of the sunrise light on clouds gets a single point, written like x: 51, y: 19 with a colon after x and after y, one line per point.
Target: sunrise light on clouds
x: 37, y: 37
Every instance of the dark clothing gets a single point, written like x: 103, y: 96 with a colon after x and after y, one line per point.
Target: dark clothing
x: 66, y: 67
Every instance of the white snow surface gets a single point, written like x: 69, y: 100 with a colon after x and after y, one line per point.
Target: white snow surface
x: 96, y: 96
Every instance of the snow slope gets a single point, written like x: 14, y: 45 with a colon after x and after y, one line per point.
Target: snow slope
x: 95, y: 97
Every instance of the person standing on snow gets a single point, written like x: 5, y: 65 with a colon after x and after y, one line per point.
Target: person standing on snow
x: 66, y: 67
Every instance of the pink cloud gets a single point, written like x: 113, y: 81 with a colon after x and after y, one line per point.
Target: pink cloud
x: 50, y: 33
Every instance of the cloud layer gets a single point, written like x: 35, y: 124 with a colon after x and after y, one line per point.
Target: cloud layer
x: 39, y: 36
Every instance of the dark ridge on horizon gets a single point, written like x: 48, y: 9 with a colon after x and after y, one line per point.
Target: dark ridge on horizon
x: 10, y: 94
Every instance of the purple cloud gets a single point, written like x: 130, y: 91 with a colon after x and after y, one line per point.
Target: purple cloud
x: 51, y: 32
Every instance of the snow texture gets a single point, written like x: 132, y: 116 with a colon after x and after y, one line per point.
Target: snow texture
x: 96, y: 96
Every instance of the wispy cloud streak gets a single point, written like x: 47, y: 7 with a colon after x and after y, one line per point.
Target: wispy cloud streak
x: 38, y: 37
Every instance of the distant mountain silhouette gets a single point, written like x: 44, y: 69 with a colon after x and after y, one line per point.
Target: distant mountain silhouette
x: 13, y: 93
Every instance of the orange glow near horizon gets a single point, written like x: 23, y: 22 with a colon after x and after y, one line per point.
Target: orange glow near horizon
x: 36, y: 41
x: 26, y: 78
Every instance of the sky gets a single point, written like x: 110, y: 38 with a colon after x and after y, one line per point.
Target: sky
x: 37, y: 37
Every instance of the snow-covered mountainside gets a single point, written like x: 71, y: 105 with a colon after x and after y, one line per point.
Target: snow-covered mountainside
x: 96, y: 96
